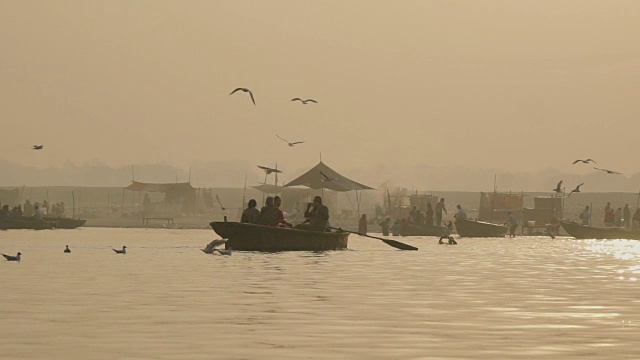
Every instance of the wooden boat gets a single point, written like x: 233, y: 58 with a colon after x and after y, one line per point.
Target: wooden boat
x: 24, y: 223
x: 589, y: 232
x: 473, y: 228
x: 253, y: 237
x: 64, y: 223
x: 422, y: 230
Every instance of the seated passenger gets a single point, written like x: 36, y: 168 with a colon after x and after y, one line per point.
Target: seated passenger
x: 277, y: 201
x: 250, y: 215
x: 317, y: 216
x: 269, y: 215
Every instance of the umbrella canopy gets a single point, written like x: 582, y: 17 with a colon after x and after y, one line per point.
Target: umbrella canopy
x: 323, y: 177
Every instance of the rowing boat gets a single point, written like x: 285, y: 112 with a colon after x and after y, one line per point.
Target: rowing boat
x: 474, y: 228
x: 591, y: 232
x: 253, y: 237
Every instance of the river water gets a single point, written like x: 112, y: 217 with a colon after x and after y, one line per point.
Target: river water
x: 532, y: 298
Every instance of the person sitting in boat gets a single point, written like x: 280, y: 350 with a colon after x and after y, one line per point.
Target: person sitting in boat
x: 635, y: 220
x: 37, y: 213
x: 412, y: 214
x: 16, y: 212
x: 512, y: 222
x: 277, y: 201
x: 585, y: 216
x: 461, y: 213
x: 316, y: 215
x: 250, y: 215
x: 4, y: 212
x: 385, y: 226
x: 269, y: 215
x: 395, y: 229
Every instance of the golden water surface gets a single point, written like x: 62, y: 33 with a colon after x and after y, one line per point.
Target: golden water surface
x: 531, y: 298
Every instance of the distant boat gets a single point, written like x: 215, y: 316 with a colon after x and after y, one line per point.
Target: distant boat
x: 591, y: 232
x: 253, y: 237
x: 64, y: 223
x: 24, y: 223
x: 473, y: 228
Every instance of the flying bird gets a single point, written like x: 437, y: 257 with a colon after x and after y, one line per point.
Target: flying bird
x: 291, y: 144
x: 304, y: 102
x: 325, y: 178
x: 211, y: 247
x: 584, y: 161
x: 66, y: 249
x: 123, y: 251
x: 558, y: 188
x: 12, y: 258
x: 608, y: 171
x: 221, y: 207
x: 37, y: 147
x: 576, y: 190
x: 269, y: 170
x: 245, y: 90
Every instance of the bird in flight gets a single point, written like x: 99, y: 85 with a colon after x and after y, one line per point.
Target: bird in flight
x: 558, y: 188
x: 221, y: 207
x: 304, y: 102
x: 576, y: 190
x: 291, y: 144
x: 269, y: 170
x: 608, y: 171
x: 37, y: 147
x: 325, y: 178
x: 245, y: 90
x: 584, y: 161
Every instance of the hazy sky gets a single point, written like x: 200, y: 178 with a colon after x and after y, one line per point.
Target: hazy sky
x: 514, y: 85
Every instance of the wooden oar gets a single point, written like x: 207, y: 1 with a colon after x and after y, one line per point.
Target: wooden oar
x: 394, y: 243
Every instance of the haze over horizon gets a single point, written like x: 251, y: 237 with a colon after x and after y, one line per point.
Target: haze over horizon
x: 405, y: 89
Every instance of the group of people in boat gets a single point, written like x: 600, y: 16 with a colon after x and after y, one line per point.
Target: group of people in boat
x: 621, y: 217
x: 29, y: 210
x: 316, y: 214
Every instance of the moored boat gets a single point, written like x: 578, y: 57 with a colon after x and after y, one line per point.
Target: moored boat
x: 473, y: 228
x: 253, y: 237
x: 65, y: 223
x: 590, y: 232
x: 24, y: 223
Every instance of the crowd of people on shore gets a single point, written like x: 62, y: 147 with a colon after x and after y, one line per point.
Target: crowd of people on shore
x: 316, y: 214
x: 29, y: 210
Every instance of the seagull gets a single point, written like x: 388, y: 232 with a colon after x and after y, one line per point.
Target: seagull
x: 304, y: 102
x: 12, y: 258
x: 291, y: 144
x: 325, y: 178
x: 584, y: 161
x: 608, y: 171
x: 37, y: 147
x: 123, y: 251
x: 221, y: 207
x: 245, y: 90
x: 558, y: 188
x: 269, y: 170
x: 66, y: 249
x: 211, y: 247
x: 576, y: 190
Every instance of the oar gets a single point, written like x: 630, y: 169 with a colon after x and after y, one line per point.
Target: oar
x: 394, y: 243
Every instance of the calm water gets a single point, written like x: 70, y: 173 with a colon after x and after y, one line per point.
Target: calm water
x: 533, y: 298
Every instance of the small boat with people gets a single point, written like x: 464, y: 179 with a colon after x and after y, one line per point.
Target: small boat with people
x: 64, y: 223
x: 473, y: 228
x: 255, y: 237
x: 591, y: 232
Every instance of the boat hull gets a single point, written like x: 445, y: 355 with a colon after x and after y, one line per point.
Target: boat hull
x: 588, y: 232
x: 252, y: 237
x: 423, y: 230
x: 24, y: 223
x: 65, y: 223
x: 471, y: 229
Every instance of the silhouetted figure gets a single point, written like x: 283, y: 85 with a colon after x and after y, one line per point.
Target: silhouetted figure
x: 439, y: 209
x: 277, y: 201
x: 395, y: 229
x: 448, y: 228
x: 617, y: 218
x: 585, y: 216
x: 626, y: 214
x: 429, y: 215
x: 269, y: 214
x: 512, y: 222
x: 317, y: 216
x: 461, y: 214
x: 609, y: 217
x: 385, y: 227
x: 250, y: 215
x: 362, y: 225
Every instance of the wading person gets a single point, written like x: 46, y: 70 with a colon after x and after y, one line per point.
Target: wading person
x: 512, y: 222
